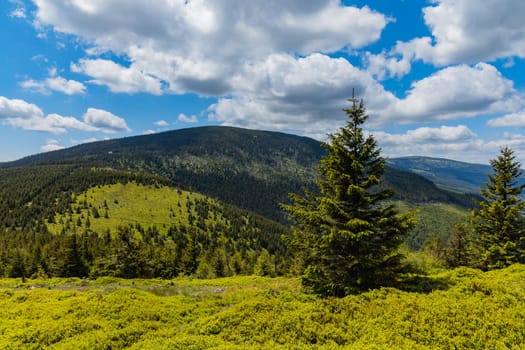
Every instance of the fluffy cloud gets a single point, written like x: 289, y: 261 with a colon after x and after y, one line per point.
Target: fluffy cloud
x: 68, y: 87
x: 185, y: 119
x: 385, y: 65
x: 201, y: 27
x: 195, y: 46
x: 18, y: 109
x: 27, y: 116
x: 118, y: 78
x: 161, y: 123
x: 427, y: 135
x: 105, y: 121
x: 466, y: 31
x: 306, y: 94
x: 288, y: 93
x: 461, y: 32
x: 51, y: 145
x: 509, y: 120
x: 457, y: 142
x: 455, y: 92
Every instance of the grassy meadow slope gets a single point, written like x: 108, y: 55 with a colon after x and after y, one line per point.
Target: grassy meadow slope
x: 105, y: 208
x: 471, y: 309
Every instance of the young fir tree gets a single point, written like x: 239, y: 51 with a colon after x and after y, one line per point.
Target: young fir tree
x: 349, y: 233
x: 499, y: 222
x: 460, y: 248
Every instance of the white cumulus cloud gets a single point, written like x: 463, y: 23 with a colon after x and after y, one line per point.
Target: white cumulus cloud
x: 51, y: 145
x: 57, y: 83
x: 185, y: 119
x: 196, y: 46
x: 509, y: 120
x: 469, y: 31
x: 105, y: 121
x: 118, y: 78
x: 455, y: 92
x: 27, y: 116
x: 18, y: 109
x: 288, y: 93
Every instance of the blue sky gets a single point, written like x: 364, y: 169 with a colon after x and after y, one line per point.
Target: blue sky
x: 443, y: 78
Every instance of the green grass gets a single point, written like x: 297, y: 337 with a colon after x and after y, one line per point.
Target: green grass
x: 477, y: 310
x: 131, y: 204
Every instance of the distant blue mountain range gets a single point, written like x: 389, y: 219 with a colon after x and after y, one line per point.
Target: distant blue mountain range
x: 447, y: 174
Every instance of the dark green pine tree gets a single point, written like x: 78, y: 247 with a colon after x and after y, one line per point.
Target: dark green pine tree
x: 499, y: 222
x: 72, y: 264
x: 349, y: 233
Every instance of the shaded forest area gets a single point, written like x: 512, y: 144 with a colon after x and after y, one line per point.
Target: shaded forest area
x: 31, y: 198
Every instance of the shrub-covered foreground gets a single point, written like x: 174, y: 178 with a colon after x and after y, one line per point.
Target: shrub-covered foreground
x: 476, y: 310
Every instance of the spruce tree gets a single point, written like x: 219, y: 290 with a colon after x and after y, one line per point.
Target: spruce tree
x: 72, y: 264
x: 499, y: 222
x: 350, y: 232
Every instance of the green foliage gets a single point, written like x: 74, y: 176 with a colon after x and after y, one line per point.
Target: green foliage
x: 500, y: 222
x: 31, y: 196
x: 461, y: 248
x: 433, y: 220
x: 478, y: 310
x: 150, y: 231
x: 353, y: 232
x: 251, y: 169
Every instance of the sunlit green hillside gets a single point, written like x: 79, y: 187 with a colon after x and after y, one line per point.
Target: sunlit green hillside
x: 128, y: 229
x: 472, y: 310
x: 105, y: 208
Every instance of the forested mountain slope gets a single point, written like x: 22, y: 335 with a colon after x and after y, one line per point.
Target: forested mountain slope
x: 68, y: 220
x: 214, y: 191
x: 254, y: 170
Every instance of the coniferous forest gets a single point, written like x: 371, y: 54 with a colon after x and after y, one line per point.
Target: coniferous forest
x: 256, y: 239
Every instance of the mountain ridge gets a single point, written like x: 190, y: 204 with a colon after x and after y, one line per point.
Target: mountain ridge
x: 452, y: 175
x: 252, y: 169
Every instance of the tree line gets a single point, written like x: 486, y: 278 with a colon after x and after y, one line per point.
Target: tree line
x: 31, y: 198
x: 345, y: 238
x: 135, y: 252
x: 349, y: 235
x: 493, y: 236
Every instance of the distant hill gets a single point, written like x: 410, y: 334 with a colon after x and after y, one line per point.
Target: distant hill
x: 252, y: 169
x: 447, y: 174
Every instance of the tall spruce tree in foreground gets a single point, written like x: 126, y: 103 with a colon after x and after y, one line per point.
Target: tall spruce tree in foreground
x: 349, y: 233
x: 499, y: 222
